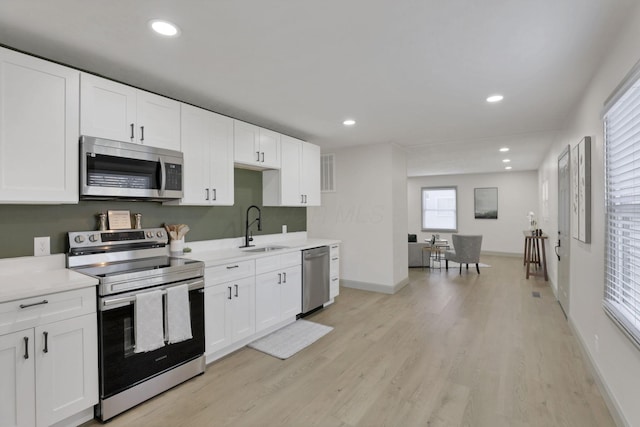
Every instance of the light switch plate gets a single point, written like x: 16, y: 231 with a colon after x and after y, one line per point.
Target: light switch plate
x: 41, y: 246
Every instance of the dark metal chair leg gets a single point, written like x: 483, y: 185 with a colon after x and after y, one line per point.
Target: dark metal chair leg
x: 460, y: 268
x: 446, y: 264
x: 478, y: 268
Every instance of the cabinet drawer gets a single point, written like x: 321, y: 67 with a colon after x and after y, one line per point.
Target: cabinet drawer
x: 334, y: 286
x: 334, y: 266
x: 277, y: 262
x: 226, y: 272
x: 32, y: 312
x: 334, y: 250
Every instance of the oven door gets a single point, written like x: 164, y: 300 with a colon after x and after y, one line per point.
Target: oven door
x: 121, y: 368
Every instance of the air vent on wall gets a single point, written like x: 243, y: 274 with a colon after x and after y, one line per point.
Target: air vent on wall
x: 327, y: 173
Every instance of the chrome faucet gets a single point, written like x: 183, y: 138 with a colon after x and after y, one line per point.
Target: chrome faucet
x: 248, y: 237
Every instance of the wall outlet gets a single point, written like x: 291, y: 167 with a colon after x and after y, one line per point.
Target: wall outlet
x: 284, y: 229
x: 41, y: 246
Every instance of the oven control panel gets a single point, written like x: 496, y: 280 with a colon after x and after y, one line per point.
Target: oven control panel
x: 148, y: 237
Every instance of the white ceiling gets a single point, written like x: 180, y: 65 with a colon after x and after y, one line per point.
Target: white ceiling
x: 411, y: 72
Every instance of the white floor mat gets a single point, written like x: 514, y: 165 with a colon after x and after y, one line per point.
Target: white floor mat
x: 289, y: 340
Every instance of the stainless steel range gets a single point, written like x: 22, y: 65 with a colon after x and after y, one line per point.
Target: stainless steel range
x: 128, y: 264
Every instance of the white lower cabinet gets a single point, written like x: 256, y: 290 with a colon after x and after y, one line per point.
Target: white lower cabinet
x: 334, y: 271
x: 229, y: 312
x: 49, y: 371
x: 278, y: 291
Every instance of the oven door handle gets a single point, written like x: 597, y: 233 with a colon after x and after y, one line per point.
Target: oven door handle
x: 108, y: 303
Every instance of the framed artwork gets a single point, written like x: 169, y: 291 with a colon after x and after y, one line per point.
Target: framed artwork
x: 581, y: 190
x: 485, y: 203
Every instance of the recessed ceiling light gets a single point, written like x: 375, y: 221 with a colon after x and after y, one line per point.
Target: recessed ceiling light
x: 495, y: 98
x: 164, y: 28
x: 506, y: 160
x: 508, y: 168
x: 504, y: 149
x: 349, y: 122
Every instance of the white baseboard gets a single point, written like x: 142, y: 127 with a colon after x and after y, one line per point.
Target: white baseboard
x: 374, y: 287
x: 609, y: 400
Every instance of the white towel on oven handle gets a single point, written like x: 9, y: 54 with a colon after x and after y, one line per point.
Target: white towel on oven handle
x: 148, y: 325
x: 177, y: 314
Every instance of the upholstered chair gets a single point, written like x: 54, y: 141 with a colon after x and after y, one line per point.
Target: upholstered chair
x: 466, y: 250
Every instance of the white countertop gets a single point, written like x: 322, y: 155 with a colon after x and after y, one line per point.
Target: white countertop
x: 215, y: 252
x: 27, y: 277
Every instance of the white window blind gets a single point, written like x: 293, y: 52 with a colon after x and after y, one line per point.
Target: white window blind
x: 622, y: 202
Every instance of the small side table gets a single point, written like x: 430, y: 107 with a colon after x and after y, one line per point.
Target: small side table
x: 533, y: 247
x: 434, y: 254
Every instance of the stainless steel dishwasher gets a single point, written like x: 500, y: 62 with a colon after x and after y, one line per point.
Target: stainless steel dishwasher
x: 315, y: 278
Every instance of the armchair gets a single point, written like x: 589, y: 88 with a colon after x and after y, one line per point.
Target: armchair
x: 466, y: 250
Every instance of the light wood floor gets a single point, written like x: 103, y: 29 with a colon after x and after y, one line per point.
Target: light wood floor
x: 447, y: 350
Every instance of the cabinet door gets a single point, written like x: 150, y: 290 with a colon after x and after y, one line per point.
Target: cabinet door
x: 66, y: 358
x: 39, y: 113
x: 291, y: 293
x: 217, y: 317
x: 17, y: 405
x: 244, y: 308
x: 107, y: 109
x: 268, y: 299
x: 246, y: 143
x: 290, y: 192
x: 195, y: 146
x: 158, y: 122
x: 221, y: 170
x: 269, y: 149
x: 310, y: 174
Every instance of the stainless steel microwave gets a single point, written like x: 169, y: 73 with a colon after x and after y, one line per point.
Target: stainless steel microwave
x: 121, y: 170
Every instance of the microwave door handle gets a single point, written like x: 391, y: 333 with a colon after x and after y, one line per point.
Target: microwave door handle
x: 163, y: 176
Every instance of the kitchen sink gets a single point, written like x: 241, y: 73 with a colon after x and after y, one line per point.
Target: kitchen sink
x: 265, y: 249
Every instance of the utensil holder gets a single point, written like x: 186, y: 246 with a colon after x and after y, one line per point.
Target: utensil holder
x: 176, y: 247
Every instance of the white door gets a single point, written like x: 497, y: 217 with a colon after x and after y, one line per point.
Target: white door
x: 66, y: 357
x: 268, y: 299
x: 17, y: 381
x: 158, y: 122
x: 39, y: 113
x: 291, y: 293
x: 218, y: 305
x: 107, y: 109
x: 222, y: 181
x: 291, y: 153
x: 246, y: 145
x: 269, y: 148
x: 564, y: 229
x: 310, y: 177
x: 244, y: 308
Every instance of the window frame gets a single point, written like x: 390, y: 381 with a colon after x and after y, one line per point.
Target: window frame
x: 621, y: 294
x: 422, y: 208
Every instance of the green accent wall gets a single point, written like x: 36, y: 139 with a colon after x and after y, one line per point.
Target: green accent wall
x: 21, y: 223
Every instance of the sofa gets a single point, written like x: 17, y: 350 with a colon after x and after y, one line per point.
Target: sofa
x: 415, y: 254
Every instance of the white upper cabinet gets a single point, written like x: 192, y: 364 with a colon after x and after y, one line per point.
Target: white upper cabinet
x: 297, y: 183
x: 115, y: 111
x: 38, y: 130
x: 207, y: 145
x: 256, y: 147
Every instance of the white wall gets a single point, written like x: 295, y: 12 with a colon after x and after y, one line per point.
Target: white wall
x: 616, y: 360
x: 517, y: 196
x: 368, y: 216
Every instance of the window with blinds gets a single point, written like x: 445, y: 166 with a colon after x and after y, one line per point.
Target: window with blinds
x: 622, y: 206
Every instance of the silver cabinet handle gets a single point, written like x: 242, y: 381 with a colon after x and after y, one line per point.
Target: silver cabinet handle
x: 46, y: 342
x: 285, y: 277
x: 334, y: 279
x: 302, y: 198
x: 132, y: 132
x: 257, y: 156
x: 229, y: 267
x: 141, y: 133
x: 335, y: 259
x: 279, y: 278
x: 229, y: 287
x: 44, y: 301
x: 263, y: 157
x: 207, y: 196
x: 236, y: 290
x: 215, y: 194
x: 26, y: 347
